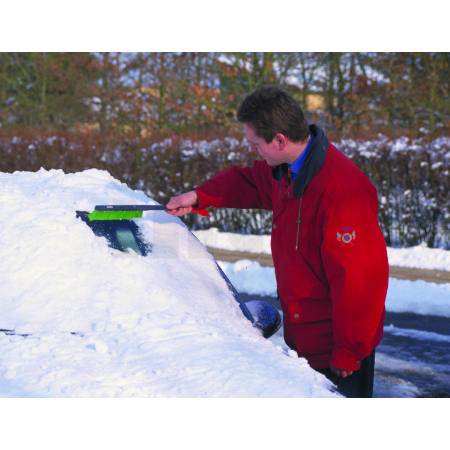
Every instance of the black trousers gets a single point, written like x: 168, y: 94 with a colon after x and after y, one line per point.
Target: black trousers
x: 357, y: 385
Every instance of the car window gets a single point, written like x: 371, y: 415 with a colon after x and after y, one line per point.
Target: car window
x: 125, y: 234
x: 121, y: 234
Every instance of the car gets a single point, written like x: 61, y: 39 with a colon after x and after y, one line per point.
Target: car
x: 134, y: 308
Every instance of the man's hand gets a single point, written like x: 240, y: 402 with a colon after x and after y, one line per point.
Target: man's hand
x: 340, y: 372
x: 182, y: 204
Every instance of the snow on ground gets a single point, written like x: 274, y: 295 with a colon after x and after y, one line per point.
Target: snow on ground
x: 164, y: 325
x: 419, y: 257
x: 250, y: 277
x: 417, y: 334
x: 232, y: 241
x: 417, y: 297
x: 387, y: 385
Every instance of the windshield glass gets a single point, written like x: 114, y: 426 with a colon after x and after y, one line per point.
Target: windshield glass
x: 121, y: 234
x: 125, y: 234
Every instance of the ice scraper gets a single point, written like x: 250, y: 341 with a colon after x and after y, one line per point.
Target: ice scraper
x: 126, y: 212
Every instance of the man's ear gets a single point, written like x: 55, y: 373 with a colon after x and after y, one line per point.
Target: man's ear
x: 280, y: 139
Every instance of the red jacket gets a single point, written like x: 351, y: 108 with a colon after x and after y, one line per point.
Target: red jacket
x: 328, y: 250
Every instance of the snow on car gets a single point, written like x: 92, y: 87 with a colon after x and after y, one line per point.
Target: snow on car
x: 84, y: 319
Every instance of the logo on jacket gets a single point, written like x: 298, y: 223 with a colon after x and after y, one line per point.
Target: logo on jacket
x: 346, y: 237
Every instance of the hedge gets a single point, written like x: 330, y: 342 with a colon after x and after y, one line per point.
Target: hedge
x: 411, y: 176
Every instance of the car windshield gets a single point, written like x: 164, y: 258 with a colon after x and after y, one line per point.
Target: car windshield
x: 125, y: 234
x: 121, y: 234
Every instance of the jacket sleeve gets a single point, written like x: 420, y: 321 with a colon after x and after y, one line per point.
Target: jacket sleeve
x: 238, y: 187
x: 355, y: 260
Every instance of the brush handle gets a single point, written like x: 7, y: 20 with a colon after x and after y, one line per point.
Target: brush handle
x: 130, y: 208
x: 202, y: 212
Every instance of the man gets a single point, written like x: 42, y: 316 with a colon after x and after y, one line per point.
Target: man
x: 328, y: 250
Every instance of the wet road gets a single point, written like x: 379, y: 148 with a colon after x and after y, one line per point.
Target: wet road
x: 413, y: 358
x: 422, y: 359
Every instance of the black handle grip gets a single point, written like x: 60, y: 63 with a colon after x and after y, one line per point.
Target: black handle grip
x: 130, y: 208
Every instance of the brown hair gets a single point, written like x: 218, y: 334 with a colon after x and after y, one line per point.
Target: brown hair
x: 271, y: 110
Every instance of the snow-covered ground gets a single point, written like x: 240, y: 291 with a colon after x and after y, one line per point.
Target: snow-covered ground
x: 164, y: 325
x: 419, y: 257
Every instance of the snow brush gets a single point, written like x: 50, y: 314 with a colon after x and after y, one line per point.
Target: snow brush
x: 127, y: 212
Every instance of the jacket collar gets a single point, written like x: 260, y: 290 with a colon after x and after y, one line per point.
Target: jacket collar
x: 313, y: 162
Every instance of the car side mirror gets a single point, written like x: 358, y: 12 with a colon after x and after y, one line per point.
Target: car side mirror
x: 267, y: 317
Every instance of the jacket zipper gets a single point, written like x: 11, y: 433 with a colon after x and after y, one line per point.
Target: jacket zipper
x: 279, y: 197
x: 289, y: 176
x: 298, y: 220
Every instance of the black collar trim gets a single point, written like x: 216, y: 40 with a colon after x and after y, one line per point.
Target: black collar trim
x: 313, y: 163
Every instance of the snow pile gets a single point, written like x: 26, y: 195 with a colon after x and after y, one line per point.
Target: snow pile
x: 164, y: 325
x: 417, y: 297
x: 250, y: 277
x: 417, y: 334
x: 419, y: 257
x: 237, y: 242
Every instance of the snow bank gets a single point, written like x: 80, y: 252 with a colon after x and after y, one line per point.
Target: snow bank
x: 231, y: 241
x: 250, y: 277
x: 417, y: 334
x: 417, y: 297
x: 419, y: 257
x: 164, y: 325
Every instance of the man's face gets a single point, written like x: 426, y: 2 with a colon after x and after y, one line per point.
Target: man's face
x: 270, y: 152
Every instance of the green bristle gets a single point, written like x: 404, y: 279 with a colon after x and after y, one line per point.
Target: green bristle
x: 115, y: 215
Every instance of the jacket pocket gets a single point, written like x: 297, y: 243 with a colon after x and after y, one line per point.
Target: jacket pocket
x: 296, y: 280
x: 307, y: 310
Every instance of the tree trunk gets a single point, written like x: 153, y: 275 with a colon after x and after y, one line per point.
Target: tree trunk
x: 162, y: 95
x: 104, y: 99
x: 139, y: 101
x: 3, y: 88
x: 44, y: 89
